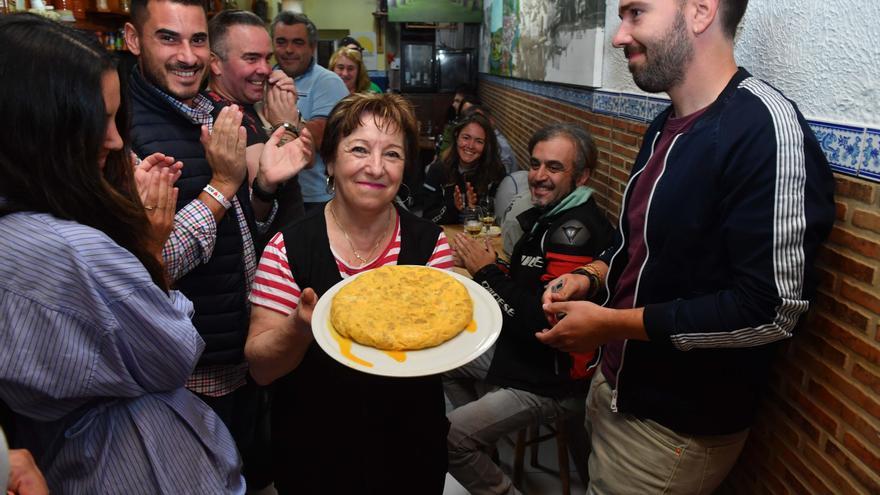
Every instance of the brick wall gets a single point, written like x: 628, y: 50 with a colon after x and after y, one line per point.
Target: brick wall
x: 818, y: 429
x: 520, y: 114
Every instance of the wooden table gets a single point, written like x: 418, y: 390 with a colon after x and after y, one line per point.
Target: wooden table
x: 452, y: 230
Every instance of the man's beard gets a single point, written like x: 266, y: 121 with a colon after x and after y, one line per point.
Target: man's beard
x: 667, y: 60
x: 549, y: 206
x: 153, y: 74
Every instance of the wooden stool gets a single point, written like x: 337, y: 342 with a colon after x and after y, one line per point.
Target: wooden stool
x: 558, y: 429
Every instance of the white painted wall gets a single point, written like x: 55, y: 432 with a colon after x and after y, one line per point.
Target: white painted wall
x: 823, y: 54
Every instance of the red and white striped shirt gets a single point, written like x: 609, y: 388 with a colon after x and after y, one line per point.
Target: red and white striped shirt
x: 274, y: 287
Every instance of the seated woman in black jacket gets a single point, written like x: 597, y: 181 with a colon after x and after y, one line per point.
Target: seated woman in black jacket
x: 469, y: 171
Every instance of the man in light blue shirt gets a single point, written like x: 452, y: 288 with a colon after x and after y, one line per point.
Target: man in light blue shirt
x: 295, y: 38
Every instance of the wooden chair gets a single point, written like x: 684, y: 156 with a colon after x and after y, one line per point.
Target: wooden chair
x: 570, y: 435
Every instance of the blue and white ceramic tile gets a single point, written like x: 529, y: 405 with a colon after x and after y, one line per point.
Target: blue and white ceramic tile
x: 841, y: 144
x: 654, y: 107
x: 633, y: 107
x: 851, y: 150
x: 580, y: 98
x: 605, y: 102
x: 589, y: 97
x: 870, y: 167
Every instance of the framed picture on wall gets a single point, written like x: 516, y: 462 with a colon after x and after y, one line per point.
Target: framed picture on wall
x: 556, y: 41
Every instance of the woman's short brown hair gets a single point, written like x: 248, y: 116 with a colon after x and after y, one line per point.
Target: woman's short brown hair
x: 390, y: 112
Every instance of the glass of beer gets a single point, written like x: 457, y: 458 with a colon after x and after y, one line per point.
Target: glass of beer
x: 472, y: 223
x: 487, y: 215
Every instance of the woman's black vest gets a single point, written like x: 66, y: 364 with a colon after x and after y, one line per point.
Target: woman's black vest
x: 337, y: 430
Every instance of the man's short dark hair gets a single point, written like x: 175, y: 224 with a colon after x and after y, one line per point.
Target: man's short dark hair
x: 586, y: 152
x: 481, y: 109
x: 348, y: 40
x: 219, y: 25
x: 471, y: 98
x: 732, y: 12
x: 139, y: 14
x: 291, y: 19
x: 464, y: 89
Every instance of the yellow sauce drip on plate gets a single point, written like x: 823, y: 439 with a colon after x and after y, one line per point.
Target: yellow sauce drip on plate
x: 472, y: 326
x: 399, y: 356
x: 345, y: 349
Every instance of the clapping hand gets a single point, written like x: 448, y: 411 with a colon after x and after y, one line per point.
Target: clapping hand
x: 159, y: 200
x: 280, y: 100
x: 225, y: 150
x: 282, y: 81
x: 471, y: 253
x: 278, y: 163
x: 143, y: 168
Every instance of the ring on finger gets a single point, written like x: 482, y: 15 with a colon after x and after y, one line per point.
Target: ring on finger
x: 149, y: 208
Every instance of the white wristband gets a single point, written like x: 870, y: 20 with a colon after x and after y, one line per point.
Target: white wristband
x: 214, y: 193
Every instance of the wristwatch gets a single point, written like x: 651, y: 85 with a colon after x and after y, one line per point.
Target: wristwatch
x: 262, y: 194
x: 288, y: 127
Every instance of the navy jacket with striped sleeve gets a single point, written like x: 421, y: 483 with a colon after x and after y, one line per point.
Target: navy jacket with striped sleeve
x: 733, y: 226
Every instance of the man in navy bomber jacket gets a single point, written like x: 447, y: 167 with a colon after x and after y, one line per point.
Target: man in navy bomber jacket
x: 727, y: 204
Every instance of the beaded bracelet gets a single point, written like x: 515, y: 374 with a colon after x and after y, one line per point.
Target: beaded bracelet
x: 263, y: 195
x: 214, y: 193
x: 593, y: 276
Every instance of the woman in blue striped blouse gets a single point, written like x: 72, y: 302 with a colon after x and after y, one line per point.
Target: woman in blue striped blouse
x: 94, y: 349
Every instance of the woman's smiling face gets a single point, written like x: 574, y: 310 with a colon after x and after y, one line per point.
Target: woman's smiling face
x: 369, y: 164
x: 470, y: 144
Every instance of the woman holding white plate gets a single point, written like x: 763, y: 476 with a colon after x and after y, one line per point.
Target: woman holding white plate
x: 334, y: 429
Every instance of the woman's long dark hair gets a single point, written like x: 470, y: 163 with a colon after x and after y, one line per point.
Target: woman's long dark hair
x: 488, y: 170
x: 54, y: 126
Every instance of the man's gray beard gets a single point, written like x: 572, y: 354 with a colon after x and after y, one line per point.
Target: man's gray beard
x: 553, y: 204
x: 539, y: 207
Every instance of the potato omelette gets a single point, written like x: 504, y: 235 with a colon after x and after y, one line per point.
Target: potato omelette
x: 402, y: 308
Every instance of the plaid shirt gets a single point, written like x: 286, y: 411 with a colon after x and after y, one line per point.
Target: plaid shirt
x: 192, y: 243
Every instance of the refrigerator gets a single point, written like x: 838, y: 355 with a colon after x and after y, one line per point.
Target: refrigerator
x: 455, y: 67
x: 426, y: 69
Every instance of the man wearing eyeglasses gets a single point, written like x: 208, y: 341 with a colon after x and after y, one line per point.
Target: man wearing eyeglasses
x: 526, y: 379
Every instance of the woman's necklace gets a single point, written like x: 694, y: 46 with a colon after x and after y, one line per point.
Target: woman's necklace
x: 351, y: 244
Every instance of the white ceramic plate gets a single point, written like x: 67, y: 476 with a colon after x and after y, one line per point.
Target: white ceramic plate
x: 462, y: 349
